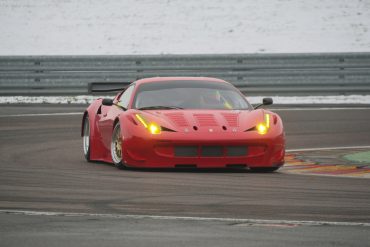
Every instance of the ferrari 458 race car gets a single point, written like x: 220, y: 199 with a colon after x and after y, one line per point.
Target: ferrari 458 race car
x: 184, y: 122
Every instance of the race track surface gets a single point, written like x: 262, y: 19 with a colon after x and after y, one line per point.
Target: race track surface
x: 42, y: 169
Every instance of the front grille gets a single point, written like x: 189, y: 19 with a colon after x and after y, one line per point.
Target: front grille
x: 236, y: 151
x: 186, y: 151
x: 210, y: 151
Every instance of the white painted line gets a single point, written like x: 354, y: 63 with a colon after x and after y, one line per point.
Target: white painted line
x: 43, y: 114
x: 326, y: 148
x: 184, y: 218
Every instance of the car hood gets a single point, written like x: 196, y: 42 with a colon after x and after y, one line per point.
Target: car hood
x: 206, y: 120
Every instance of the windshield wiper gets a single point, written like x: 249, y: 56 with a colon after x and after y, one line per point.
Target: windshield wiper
x: 159, y: 107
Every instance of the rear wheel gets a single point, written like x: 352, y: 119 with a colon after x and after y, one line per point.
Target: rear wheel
x: 86, y: 138
x: 116, y: 147
x: 264, y: 169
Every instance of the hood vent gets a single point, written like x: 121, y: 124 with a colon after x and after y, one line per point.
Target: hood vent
x: 178, y: 119
x: 205, y: 119
x: 231, y: 119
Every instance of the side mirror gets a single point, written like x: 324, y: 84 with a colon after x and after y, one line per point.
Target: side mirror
x: 265, y: 101
x: 107, y: 102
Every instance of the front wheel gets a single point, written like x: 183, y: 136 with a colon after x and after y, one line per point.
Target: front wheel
x: 116, y: 147
x: 86, y: 138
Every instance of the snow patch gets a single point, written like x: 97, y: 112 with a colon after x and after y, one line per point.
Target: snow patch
x: 81, y: 99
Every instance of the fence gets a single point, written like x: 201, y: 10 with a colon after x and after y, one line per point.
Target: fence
x: 254, y: 74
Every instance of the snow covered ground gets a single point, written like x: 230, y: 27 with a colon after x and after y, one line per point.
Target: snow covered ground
x: 86, y: 27
x: 123, y: 27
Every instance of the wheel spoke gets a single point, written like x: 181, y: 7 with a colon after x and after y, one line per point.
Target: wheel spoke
x: 116, y: 145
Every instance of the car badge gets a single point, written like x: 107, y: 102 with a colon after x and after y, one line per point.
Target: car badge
x: 234, y: 129
x: 186, y: 130
x: 210, y: 130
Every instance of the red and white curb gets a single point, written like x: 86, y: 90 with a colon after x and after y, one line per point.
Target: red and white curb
x: 297, y: 162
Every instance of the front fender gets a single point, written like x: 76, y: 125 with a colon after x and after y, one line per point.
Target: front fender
x: 91, y: 111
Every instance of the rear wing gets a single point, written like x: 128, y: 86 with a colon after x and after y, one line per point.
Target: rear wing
x: 95, y: 87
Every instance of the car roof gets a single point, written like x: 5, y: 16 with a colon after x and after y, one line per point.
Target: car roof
x: 178, y: 78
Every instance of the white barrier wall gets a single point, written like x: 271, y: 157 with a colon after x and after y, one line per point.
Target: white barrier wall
x: 103, y: 27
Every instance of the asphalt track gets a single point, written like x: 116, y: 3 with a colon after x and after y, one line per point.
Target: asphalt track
x: 42, y: 169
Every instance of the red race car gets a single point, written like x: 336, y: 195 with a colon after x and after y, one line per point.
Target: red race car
x: 184, y: 122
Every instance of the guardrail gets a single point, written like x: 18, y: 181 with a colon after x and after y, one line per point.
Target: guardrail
x: 254, y: 74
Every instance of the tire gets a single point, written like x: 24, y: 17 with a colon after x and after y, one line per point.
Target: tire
x: 116, y: 147
x: 86, y: 138
x: 264, y: 169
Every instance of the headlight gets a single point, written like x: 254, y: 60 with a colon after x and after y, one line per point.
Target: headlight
x: 152, y: 127
x: 262, y: 128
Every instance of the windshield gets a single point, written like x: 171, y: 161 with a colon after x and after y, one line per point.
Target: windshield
x: 189, y: 95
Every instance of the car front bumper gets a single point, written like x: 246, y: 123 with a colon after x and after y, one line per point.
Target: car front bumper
x: 237, y: 151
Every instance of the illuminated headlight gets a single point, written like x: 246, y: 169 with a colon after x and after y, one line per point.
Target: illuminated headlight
x: 152, y: 127
x: 262, y: 128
